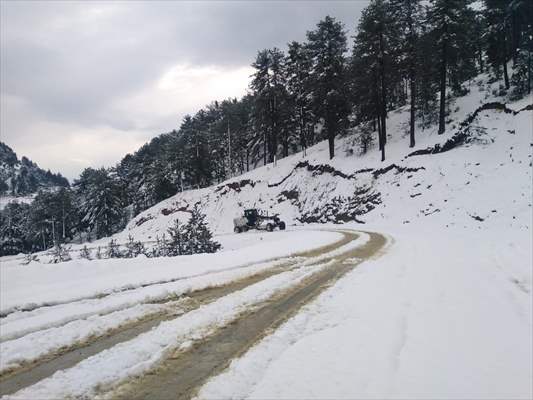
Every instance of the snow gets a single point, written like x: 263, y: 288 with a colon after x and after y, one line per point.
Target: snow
x: 77, y: 319
x: 41, y: 342
x: 132, y: 358
x: 434, y: 317
x: 26, y: 287
x: 5, y: 200
x: 444, y: 312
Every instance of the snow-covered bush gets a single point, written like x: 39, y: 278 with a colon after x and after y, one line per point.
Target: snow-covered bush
x: 85, y: 253
x: 113, y: 250
x: 98, y: 253
x: 133, y: 248
x: 28, y: 258
x: 59, y: 253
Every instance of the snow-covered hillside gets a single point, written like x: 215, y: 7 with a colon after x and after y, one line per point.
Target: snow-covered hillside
x: 20, y: 178
x: 466, y: 186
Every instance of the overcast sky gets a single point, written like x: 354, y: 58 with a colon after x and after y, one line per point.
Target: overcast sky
x: 84, y: 83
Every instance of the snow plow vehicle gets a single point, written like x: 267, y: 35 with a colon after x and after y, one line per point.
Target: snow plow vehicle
x: 253, y: 219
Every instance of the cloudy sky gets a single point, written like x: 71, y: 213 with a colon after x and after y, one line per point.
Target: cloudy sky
x: 84, y: 83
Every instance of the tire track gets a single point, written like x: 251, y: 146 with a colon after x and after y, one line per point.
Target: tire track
x: 29, y: 373
x: 182, y: 374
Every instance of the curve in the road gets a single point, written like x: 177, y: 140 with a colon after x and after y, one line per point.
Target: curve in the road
x: 180, y: 376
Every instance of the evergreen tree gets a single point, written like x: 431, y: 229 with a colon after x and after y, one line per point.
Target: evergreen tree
x: 162, y: 247
x: 14, y: 229
x: 133, y: 248
x: 176, y: 245
x: 427, y: 85
x: 113, y: 249
x: 98, y: 253
x: 85, y: 253
x: 407, y: 15
x: 100, y: 202
x: 450, y: 20
x: 328, y: 78
x: 375, y: 66
x: 197, y: 236
x: 268, y: 85
x: 59, y: 253
x: 298, y: 65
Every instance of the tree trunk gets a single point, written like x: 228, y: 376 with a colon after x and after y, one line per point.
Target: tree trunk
x: 505, y: 75
x: 480, y: 59
x: 413, y: 109
x: 286, y: 144
x: 265, y: 148
x: 331, y: 142
x: 383, y: 97
x: 443, y: 65
x: 515, y: 36
x: 377, y: 100
x: 529, y: 70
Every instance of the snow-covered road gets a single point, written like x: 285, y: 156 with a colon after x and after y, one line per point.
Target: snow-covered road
x: 69, y: 325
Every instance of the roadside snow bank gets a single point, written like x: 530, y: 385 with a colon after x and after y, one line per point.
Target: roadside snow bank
x: 27, y: 287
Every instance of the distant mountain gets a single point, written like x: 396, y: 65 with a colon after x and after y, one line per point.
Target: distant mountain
x: 23, y: 177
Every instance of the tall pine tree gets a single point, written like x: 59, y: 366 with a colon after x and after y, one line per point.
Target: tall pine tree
x: 328, y: 77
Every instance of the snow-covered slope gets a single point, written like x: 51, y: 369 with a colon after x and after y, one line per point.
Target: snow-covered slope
x: 23, y: 177
x: 467, y: 186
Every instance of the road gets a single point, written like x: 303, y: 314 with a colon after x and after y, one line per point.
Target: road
x: 183, y: 373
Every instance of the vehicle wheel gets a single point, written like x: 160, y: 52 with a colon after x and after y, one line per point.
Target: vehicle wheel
x: 282, y: 226
x: 237, y: 229
x: 269, y: 227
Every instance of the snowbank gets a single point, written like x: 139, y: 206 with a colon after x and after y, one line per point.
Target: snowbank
x: 26, y: 287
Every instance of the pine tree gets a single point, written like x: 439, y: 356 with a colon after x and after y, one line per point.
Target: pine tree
x: 374, y: 61
x: 520, y: 13
x: 85, y: 253
x: 101, y: 205
x: 197, y: 236
x: 328, y: 78
x: 406, y: 14
x: 450, y: 20
x: 298, y: 65
x: 113, y: 250
x: 365, y: 138
x: 133, y: 248
x: 98, y: 253
x: 176, y: 245
x: 427, y: 70
x: 268, y: 85
x: 15, y: 232
x: 59, y: 253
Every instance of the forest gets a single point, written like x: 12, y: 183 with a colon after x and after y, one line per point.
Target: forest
x: 404, y: 53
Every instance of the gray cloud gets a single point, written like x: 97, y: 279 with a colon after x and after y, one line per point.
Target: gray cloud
x: 72, y: 71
